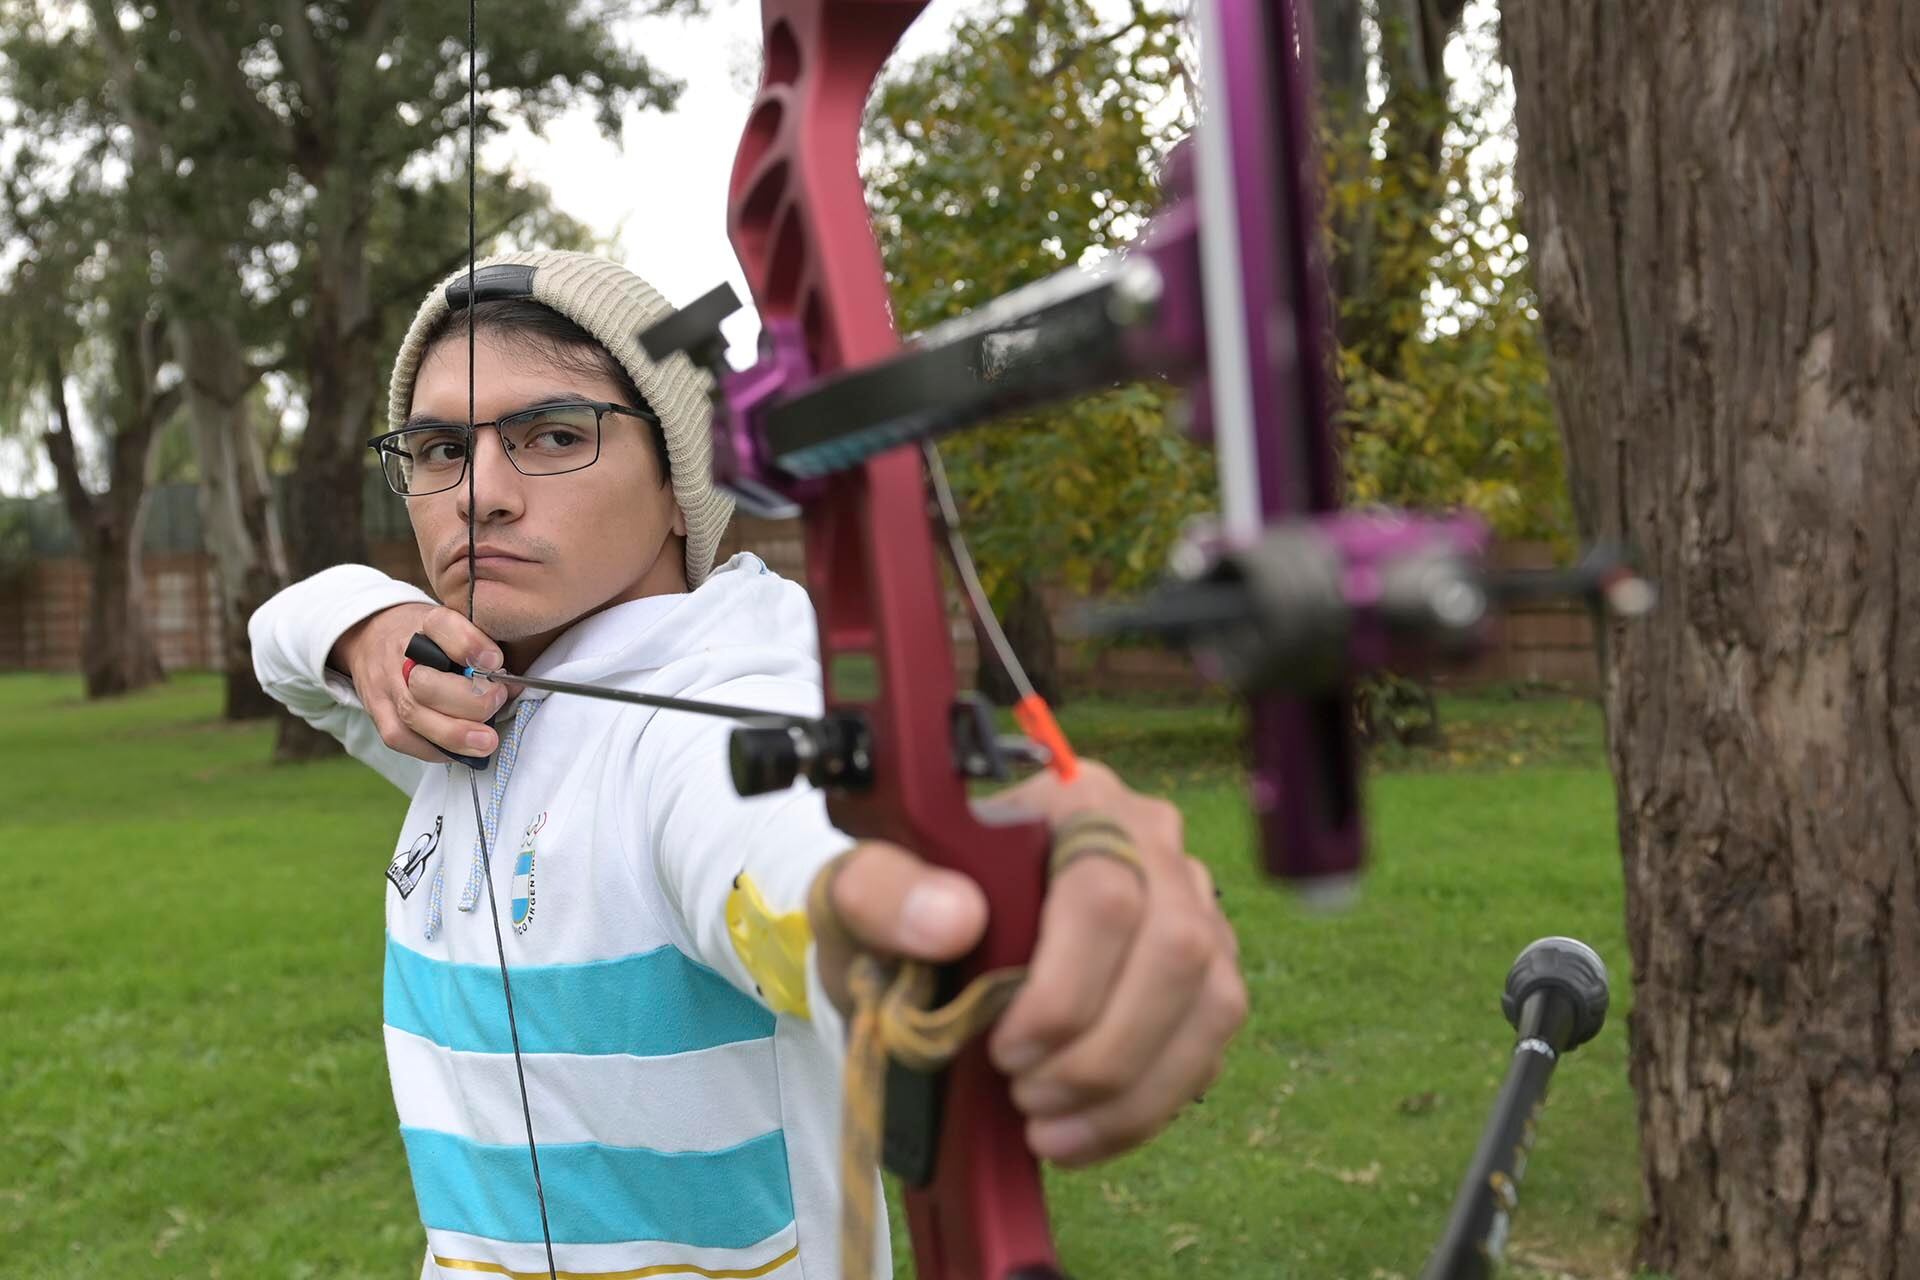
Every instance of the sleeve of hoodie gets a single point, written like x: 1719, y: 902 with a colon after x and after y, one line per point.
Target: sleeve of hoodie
x: 293, y: 633
x: 734, y: 871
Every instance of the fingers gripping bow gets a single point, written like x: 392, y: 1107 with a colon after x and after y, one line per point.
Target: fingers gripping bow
x: 893, y: 1026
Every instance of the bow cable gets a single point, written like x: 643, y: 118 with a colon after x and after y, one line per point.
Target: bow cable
x: 1032, y: 711
x: 473, y: 579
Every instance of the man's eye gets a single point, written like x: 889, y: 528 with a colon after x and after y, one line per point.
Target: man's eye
x: 554, y: 437
x: 439, y: 450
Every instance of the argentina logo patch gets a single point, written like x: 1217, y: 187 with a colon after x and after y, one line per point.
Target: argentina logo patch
x: 411, y: 862
x: 522, y: 899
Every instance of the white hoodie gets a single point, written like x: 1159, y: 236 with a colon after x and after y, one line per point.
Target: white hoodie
x: 686, y: 1123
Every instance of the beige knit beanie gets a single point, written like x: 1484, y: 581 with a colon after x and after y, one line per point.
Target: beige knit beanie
x: 614, y: 305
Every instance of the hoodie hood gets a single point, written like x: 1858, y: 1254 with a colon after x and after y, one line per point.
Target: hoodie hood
x: 744, y: 620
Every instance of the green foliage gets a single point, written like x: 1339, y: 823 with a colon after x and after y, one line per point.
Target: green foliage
x: 72, y: 263
x: 1026, y: 145
x: 1393, y: 708
x: 1444, y: 375
x: 194, y: 1086
x: 1089, y: 497
x: 310, y: 154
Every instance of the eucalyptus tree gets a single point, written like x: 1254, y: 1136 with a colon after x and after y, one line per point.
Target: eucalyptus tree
x: 85, y: 368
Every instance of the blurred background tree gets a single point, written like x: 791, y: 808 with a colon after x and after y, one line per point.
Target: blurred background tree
x: 1443, y: 373
x: 1032, y: 141
x: 1027, y: 144
x: 299, y: 180
x: 84, y: 336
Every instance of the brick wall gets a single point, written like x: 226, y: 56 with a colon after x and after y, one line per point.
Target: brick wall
x: 43, y: 609
x: 43, y: 612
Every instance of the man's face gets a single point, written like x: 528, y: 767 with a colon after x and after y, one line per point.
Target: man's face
x: 554, y: 548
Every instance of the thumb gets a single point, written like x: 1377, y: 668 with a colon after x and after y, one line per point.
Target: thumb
x: 883, y: 899
x: 891, y: 902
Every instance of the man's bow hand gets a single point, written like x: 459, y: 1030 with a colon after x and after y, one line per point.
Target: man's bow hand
x: 1134, y: 989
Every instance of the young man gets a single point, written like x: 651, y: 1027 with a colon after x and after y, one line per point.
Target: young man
x: 680, y: 1032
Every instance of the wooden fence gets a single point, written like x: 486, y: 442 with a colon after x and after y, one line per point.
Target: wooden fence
x: 43, y: 605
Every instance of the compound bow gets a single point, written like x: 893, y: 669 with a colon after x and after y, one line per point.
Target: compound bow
x: 1288, y: 598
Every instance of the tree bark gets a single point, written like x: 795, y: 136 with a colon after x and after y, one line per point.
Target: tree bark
x: 1720, y: 200
x: 1339, y: 39
x: 1413, y: 60
x: 1410, y: 123
x: 239, y: 519
x: 236, y: 501
x: 324, y: 526
x: 117, y: 653
x: 1029, y: 629
x: 237, y: 516
x: 325, y: 522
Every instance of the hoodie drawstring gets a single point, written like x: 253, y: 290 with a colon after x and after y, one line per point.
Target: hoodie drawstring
x: 477, y: 871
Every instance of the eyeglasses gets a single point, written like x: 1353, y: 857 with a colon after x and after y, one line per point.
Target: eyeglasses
x: 547, y: 440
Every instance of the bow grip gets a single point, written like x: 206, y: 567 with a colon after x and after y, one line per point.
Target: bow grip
x: 423, y: 651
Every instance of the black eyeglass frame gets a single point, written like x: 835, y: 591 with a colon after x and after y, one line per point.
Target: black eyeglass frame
x: 601, y: 408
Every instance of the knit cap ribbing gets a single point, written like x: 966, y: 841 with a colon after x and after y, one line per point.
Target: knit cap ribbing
x: 614, y: 305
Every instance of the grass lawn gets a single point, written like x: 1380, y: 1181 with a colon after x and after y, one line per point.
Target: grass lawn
x: 192, y: 1081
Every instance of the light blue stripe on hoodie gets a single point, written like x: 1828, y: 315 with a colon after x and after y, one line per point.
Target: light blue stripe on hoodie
x: 601, y: 1195
x: 651, y: 1004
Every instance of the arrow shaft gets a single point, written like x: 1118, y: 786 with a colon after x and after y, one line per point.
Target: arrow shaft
x: 724, y: 710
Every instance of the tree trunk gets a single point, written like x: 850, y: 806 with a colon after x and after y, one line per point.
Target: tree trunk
x: 1410, y: 123
x: 324, y: 524
x: 117, y: 653
x: 236, y: 501
x: 1720, y: 200
x: 1340, y: 39
x: 238, y: 522
x: 1029, y: 628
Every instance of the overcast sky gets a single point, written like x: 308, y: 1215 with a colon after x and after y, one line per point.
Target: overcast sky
x: 659, y: 191
x: 662, y: 189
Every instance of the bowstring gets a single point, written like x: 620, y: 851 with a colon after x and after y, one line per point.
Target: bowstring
x: 473, y: 578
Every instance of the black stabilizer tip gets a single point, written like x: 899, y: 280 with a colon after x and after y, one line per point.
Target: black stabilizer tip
x: 763, y: 759
x: 1573, y: 967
